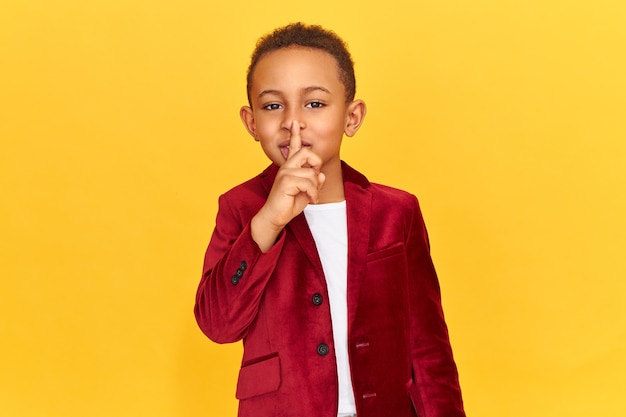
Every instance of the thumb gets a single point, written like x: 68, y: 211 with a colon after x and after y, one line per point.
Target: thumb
x: 321, y: 179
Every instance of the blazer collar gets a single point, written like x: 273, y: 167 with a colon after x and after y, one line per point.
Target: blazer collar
x: 350, y: 176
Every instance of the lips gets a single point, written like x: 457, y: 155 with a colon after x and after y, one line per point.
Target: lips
x: 284, y: 148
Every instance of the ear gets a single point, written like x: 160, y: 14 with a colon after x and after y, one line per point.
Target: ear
x: 355, y: 116
x: 247, y: 117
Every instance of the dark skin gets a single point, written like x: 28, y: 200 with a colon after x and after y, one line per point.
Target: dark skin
x: 299, y: 114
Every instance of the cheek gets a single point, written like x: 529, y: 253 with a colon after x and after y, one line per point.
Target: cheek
x: 266, y: 126
x: 330, y: 127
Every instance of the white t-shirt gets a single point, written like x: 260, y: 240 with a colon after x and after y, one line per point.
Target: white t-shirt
x: 329, y: 227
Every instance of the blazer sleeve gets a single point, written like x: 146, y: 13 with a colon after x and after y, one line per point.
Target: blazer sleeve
x: 434, y: 370
x: 234, y: 277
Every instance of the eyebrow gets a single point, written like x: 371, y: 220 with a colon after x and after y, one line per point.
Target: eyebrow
x: 305, y: 90
x: 316, y: 88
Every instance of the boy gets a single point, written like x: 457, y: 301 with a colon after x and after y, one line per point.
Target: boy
x: 325, y: 276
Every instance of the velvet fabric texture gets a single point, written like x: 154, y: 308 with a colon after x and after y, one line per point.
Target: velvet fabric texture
x: 277, y: 303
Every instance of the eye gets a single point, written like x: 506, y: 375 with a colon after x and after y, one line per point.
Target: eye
x: 315, y: 105
x: 272, y: 106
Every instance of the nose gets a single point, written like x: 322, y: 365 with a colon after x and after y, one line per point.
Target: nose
x: 289, y: 116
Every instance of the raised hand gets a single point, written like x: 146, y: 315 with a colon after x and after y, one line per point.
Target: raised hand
x: 297, y: 184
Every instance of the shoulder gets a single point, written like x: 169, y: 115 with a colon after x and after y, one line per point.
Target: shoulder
x: 258, y: 186
x: 247, y: 198
x: 392, y: 194
x: 381, y: 194
x: 393, y: 203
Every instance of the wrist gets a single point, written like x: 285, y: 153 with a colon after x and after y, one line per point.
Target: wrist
x: 264, y: 232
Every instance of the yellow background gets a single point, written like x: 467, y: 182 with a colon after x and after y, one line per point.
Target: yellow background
x: 119, y: 129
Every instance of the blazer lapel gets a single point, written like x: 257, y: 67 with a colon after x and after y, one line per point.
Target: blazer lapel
x: 358, y: 206
x: 299, y: 228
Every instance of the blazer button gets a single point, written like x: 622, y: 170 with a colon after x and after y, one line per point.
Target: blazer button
x: 234, y: 279
x: 322, y: 349
x: 239, y: 273
x: 243, y: 265
x: 317, y: 299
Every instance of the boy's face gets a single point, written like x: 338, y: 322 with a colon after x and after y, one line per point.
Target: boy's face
x: 300, y: 84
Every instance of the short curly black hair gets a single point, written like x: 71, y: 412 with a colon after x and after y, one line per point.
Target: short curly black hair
x: 308, y: 36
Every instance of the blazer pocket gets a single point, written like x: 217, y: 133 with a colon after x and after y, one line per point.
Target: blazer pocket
x: 386, y: 252
x: 259, y: 378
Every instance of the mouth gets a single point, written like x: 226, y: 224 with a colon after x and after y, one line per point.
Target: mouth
x: 284, y: 148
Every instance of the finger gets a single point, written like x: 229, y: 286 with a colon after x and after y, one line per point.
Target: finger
x: 310, y: 189
x: 321, y: 179
x: 289, y: 176
x: 304, y: 158
x: 295, y: 141
x: 297, y: 187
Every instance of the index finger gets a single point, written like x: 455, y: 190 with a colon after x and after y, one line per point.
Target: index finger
x: 295, y: 141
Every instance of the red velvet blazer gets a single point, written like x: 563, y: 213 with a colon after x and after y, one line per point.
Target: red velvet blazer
x: 277, y: 302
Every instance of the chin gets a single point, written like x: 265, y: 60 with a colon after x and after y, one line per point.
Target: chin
x: 278, y: 161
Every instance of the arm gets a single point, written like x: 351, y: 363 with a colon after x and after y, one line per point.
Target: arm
x: 434, y: 369
x: 234, y: 277
x: 243, y: 253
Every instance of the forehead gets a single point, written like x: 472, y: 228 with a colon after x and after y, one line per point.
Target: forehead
x: 296, y: 67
